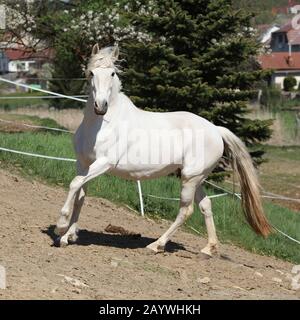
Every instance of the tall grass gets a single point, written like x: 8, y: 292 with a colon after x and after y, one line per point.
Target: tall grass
x: 229, y: 220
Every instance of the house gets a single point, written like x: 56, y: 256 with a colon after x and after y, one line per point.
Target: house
x: 27, y: 61
x: 283, y: 64
x: 284, y: 58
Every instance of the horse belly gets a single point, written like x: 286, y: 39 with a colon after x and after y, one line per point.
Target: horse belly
x: 143, y: 172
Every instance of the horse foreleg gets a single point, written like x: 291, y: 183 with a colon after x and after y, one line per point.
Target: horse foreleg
x: 186, y: 209
x: 95, y: 169
x: 70, y: 233
x: 60, y: 229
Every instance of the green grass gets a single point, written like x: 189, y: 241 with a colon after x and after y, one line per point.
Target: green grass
x: 229, y: 220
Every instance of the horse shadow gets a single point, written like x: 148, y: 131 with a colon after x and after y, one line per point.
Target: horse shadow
x: 86, y: 238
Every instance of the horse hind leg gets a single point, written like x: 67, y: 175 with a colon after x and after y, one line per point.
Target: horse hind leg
x: 186, y: 209
x: 205, y: 207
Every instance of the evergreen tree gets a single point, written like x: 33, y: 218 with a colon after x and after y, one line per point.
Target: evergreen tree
x: 200, y: 59
x: 67, y: 66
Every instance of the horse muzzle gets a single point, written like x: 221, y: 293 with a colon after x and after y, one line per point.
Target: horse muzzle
x: 100, y: 111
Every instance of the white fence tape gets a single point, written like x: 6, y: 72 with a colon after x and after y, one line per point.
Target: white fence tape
x: 34, y: 126
x: 178, y: 199
x: 36, y: 155
x: 281, y: 198
x: 223, y: 189
x: 42, y: 90
x: 270, y: 195
x: 163, y: 198
x: 286, y: 235
x: 54, y: 79
x: 39, y: 97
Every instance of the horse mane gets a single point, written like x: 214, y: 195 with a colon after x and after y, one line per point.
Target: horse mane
x: 102, y: 59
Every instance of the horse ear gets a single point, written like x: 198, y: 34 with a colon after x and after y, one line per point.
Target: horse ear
x: 115, y: 52
x: 95, y: 49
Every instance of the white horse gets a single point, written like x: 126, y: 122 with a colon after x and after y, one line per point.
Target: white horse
x: 102, y: 147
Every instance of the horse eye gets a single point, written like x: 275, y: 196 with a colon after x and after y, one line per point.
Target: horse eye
x: 91, y: 74
x: 113, y: 74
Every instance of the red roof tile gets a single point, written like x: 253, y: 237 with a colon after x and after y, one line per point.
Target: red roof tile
x: 280, y: 61
x: 21, y: 54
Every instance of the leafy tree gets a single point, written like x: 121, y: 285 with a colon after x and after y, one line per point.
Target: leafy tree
x: 71, y: 28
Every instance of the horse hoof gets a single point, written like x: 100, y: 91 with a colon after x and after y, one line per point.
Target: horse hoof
x: 73, y: 237
x: 210, y: 251
x: 60, y: 242
x: 60, y: 231
x: 155, y: 247
x: 63, y: 243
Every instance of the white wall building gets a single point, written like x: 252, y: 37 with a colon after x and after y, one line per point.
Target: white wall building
x: 20, y: 65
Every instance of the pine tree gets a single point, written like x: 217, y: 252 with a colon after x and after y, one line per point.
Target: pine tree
x: 200, y: 60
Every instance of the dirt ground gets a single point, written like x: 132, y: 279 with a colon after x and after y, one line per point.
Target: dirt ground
x: 110, y: 266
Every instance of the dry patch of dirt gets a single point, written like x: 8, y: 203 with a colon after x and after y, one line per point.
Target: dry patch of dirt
x: 69, y: 118
x: 14, y: 126
x: 104, y: 265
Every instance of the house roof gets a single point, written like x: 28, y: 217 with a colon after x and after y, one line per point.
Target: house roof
x: 21, y: 54
x: 280, y: 61
x: 293, y: 35
x: 286, y: 27
x: 266, y: 32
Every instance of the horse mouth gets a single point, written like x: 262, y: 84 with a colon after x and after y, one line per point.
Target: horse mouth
x: 99, y: 112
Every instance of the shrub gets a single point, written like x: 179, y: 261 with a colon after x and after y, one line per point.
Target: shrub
x: 289, y: 83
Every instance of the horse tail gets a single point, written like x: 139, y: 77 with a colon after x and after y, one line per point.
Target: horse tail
x: 249, y: 184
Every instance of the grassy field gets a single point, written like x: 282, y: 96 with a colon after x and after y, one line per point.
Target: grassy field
x: 228, y: 216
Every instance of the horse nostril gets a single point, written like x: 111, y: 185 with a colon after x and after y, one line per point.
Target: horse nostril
x: 96, y: 104
x: 105, y: 104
